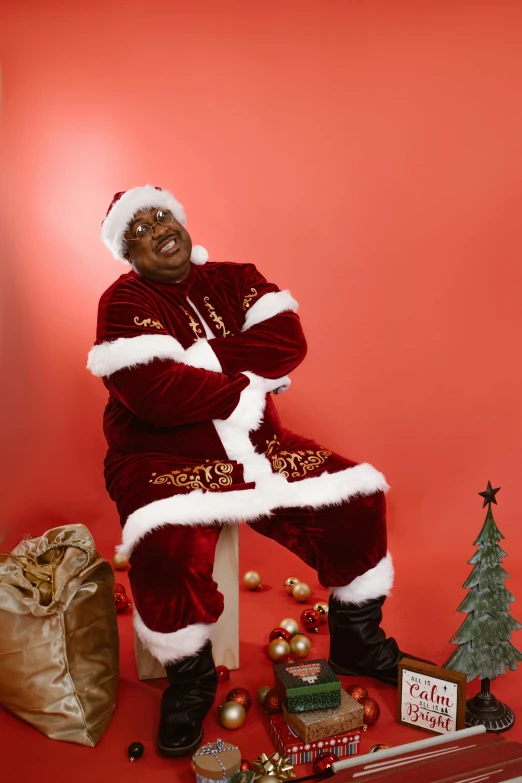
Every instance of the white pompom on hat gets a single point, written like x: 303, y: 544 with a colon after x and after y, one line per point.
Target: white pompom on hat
x: 199, y: 255
x: 124, y: 206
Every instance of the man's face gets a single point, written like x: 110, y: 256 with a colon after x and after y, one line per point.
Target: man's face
x: 157, y: 248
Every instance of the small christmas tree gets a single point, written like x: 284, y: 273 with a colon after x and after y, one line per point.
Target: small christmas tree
x: 485, y: 649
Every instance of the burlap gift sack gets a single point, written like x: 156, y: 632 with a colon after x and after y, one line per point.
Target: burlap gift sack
x: 58, y: 635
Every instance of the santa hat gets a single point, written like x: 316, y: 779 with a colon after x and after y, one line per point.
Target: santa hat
x: 124, y: 206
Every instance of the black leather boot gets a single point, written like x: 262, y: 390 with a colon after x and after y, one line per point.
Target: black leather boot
x: 358, y: 645
x: 190, y: 695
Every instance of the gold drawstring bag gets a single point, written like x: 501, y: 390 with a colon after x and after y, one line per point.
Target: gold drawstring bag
x: 58, y: 635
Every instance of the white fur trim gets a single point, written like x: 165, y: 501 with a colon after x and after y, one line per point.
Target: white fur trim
x: 199, y: 255
x: 201, y: 355
x: 267, y: 306
x: 194, y: 508
x: 248, y: 413
x: 376, y: 582
x: 109, y: 357
x: 143, y: 197
x: 272, y: 491
x: 171, y: 647
x: 332, y: 489
x: 234, y: 433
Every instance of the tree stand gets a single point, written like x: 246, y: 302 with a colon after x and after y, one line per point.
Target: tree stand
x: 484, y: 709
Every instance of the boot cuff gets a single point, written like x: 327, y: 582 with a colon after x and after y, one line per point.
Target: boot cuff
x: 173, y: 647
x: 375, y: 583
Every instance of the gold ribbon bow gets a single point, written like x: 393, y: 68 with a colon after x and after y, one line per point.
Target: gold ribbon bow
x: 275, y: 765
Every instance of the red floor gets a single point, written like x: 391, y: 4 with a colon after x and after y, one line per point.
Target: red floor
x: 421, y: 614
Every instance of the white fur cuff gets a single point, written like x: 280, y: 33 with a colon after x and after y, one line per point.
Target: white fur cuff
x: 267, y: 306
x: 171, y: 647
x: 376, y: 582
x: 202, y: 356
x: 109, y: 357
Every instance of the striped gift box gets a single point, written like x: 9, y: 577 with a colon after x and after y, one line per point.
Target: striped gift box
x: 299, y: 752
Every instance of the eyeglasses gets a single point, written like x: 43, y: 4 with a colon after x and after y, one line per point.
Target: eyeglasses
x: 145, y: 231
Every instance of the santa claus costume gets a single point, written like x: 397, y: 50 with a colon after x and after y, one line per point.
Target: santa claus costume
x: 195, y: 443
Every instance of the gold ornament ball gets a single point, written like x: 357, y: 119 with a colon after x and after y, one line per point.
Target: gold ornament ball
x: 120, y: 562
x: 232, y: 715
x: 301, y: 592
x: 268, y: 779
x: 277, y: 648
x: 322, y: 608
x: 252, y: 580
x: 300, y: 645
x: 291, y: 582
x: 261, y: 693
x: 291, y: 625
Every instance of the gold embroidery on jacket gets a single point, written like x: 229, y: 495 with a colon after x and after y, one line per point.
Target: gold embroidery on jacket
x: 248, y: 297
x: 216, y: 318
x: 147, y: 322
x: 212, y: 476
x: 271, y: 444
x: 295, y: 463
x: 194, y: 325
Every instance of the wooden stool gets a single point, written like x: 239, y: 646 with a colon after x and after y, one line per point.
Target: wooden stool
x: 225, y: 639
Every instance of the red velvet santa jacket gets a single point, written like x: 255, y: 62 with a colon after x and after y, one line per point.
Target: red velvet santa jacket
x: 193, y: 434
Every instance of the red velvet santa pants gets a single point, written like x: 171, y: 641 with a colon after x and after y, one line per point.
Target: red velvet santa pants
x: 171, y: 568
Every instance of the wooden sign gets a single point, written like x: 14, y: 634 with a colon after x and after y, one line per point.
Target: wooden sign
x: 431, y: 698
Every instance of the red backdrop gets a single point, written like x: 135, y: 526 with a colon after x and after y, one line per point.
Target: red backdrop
x: 365, y: 155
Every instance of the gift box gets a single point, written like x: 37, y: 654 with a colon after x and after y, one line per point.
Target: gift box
x: 299, y: 752
x: 307, y: 685
x: 216, y: 761
x: 323, y: 724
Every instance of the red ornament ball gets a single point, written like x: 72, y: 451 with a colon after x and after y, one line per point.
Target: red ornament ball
x: 223, y: 673
x: 119, y: 588
x: 279, y: 633
x: 324, y: 762
x: 121, y: 602
x: 242, y: 696
x: 288, y: 658
x: 310, y: 620
x: 371, y: 711
x: 357, y: 692
x: 272, y: 702
x: 245, y: 764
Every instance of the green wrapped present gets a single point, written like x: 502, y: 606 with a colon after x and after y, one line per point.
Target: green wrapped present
x: 307, y: 685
